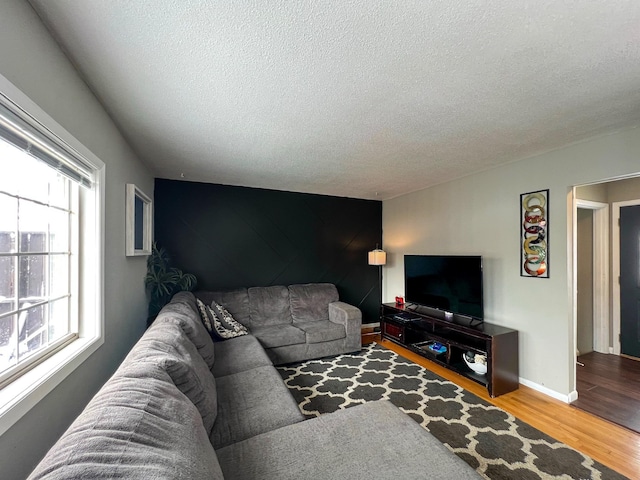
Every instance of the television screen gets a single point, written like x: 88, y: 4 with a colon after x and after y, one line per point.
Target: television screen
x: 450, y: 283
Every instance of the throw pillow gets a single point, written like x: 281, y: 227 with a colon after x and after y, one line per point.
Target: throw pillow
x: 214, y: 325
x: 206, y: 318
x: 220, y: 326
x: 219, y: 322
x: 219, y: 331
x: 228, y: 321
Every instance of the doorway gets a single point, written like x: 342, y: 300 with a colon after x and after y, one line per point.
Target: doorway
x: 584, y: 270
x: 608, y: 384
x: 630, y: 281
x: 592, y: 276
x: 619, y: 209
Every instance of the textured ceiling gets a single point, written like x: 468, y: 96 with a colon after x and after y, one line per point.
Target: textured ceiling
x: 358, y: 98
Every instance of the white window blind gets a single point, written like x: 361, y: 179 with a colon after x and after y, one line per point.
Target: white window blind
x: 26, y: 133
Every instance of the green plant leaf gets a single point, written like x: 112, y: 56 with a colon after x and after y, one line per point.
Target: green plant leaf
x: 163, y: 281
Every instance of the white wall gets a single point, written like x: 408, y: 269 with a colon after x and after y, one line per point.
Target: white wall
x: 479, y: 214
x: 32, y: 61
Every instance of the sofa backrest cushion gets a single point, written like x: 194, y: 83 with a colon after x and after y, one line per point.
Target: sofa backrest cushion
x: 182, y: 310
x: 235, y: 301
x: 310, y: 302
x: 136, y: 427
x: 269, y: 305
x: 167, y: 346
x: 186, y: 298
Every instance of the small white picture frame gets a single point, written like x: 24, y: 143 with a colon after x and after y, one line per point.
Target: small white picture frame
x: 139, y: 218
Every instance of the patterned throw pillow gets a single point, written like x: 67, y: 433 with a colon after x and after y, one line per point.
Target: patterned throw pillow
x: 227, y: 321
x: 206, y: 318
x: 219, y: 322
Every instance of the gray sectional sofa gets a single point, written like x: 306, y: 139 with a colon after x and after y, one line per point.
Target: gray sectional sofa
x: 294, y: 323
x: 183, y: 407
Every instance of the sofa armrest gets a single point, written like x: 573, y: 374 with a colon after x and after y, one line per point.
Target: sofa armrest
x: 351, y: 318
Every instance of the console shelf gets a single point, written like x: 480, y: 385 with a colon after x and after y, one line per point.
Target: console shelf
x: 415, y: 328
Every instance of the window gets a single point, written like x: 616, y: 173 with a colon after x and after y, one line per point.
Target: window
x: 38, y: 267
x: 51, y: 254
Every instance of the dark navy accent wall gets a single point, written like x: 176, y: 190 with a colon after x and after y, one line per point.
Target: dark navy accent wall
x: 233, y: 237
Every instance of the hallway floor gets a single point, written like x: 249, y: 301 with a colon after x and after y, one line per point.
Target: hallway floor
x: 609, y: 387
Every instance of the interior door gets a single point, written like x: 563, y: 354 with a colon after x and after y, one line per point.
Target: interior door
x: 630, y: 280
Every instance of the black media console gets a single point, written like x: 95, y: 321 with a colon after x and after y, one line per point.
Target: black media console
x: 413, y: 329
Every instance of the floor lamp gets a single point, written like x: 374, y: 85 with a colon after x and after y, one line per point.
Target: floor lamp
x: 378, y: 257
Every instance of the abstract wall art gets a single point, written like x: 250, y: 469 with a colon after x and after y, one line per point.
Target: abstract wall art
x: 534, y: 234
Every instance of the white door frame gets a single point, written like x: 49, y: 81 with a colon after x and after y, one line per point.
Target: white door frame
x: 600, y: 272
x: 615, y: 268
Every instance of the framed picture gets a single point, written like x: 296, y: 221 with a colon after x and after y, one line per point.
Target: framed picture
x: 534, y: 234
x: 139, y: 218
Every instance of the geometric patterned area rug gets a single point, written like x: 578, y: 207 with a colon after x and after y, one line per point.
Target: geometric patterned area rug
x: 494, y: 442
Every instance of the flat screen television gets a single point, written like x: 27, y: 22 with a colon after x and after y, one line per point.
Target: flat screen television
x: 451, y: 283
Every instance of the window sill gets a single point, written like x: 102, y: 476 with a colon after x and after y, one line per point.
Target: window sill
x: 17, y: 398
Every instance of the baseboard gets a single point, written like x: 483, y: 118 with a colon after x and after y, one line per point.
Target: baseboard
x: 572, y: 396
x: 370, y: 325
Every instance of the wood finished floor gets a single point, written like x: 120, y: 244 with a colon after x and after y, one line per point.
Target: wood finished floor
x: 609, y: 386
x: 610, y: 444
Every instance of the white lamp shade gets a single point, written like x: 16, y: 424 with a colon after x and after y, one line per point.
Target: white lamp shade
x: 377, y: 257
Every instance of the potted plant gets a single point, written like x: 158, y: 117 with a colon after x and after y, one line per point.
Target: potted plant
x: 163, y: 281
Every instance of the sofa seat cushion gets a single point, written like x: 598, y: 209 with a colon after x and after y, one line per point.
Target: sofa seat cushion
x: 310, y: 302
x: 269, y: 306
x: 324, y: 331
x: 359, y: 442
x: 250, y: 403
x: 238, y: 355
x: 279, y: 335
x: 139, y: 427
